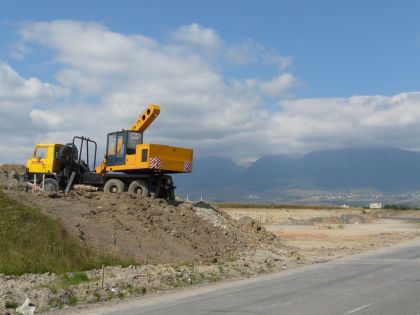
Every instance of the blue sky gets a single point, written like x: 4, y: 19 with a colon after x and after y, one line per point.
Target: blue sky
x: 339, y: 48
x: 288, y: 77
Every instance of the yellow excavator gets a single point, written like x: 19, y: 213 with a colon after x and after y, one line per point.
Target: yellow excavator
x: 128, y: 165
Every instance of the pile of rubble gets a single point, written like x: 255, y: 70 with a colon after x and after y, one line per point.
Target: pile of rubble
x: 12, y: 176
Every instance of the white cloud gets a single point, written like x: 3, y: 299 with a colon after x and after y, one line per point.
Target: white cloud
x: 105, y: 79
x: 198, y: 35
x: 15, y: 88
x: 18, y: 97
x: 359, y: 121
x: 46, y: 119
x: 279, y: 86
x: 243, y: 53
x: 281, y: 62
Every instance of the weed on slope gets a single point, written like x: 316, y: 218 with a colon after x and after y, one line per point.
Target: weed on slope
x: 31, y: 242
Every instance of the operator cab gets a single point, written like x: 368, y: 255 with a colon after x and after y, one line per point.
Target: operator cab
x: 120, y: 144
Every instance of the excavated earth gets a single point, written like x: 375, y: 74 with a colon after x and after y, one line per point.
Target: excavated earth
x: 143, y: 229
x: 171, y: 244
x: 149, y: 230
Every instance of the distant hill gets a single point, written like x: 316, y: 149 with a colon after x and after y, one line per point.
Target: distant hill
x: 386, y: 170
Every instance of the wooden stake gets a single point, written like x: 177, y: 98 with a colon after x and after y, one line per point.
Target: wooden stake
x: 103, y: 276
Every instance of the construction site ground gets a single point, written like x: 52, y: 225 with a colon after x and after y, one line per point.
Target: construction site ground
x: 325, y: 234
x: 179, y: 244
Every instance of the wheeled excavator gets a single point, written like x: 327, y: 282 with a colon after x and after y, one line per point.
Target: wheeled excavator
x: 129, y: 165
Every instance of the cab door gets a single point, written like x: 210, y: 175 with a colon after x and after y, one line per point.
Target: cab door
x: 38, y: 162
x: 116, y: 148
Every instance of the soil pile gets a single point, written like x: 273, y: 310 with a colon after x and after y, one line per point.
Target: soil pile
x: 150, y: 230
x: 12, y: 176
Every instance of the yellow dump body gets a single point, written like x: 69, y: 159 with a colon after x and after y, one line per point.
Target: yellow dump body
x: 156, y: 157
x: 43, y: 159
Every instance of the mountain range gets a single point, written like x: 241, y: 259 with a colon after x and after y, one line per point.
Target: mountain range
x: 282, y: 178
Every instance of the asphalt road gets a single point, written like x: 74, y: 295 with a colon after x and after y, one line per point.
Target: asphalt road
x: 380, y: 282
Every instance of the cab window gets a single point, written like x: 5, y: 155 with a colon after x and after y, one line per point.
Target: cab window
x: 112, y: 139
x: 40, y: 153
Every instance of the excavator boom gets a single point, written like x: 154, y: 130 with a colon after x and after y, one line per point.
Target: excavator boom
x: 146, y: 118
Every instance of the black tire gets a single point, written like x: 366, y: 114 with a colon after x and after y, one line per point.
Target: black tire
x: 114, y: 186
x: 51, y: 185
x: 139, y: 187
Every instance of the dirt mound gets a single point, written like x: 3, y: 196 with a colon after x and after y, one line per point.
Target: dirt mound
x: 18, y: 168
x: 12, y: 176
x: 150, y: 230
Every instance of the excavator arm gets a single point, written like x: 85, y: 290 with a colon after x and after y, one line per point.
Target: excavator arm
x: 146, y: 118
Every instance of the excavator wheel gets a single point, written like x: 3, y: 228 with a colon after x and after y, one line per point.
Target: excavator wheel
x: 51, y: 185
x: 139, y: 187
x: 114, y: 186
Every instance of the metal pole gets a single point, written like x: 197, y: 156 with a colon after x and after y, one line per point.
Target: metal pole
x: 43, y: 182
x: 94, y: 158
x: 87, y: 154
x: 80, y: 153
x: 34, y: 186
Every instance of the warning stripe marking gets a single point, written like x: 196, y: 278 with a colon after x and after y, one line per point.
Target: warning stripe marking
x: 155, y: 163
x: 188, y: 166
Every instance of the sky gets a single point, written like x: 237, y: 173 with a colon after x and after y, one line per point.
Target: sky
x: 239, y: 79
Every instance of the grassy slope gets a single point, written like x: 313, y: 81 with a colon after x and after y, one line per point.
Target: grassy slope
x: 31, y: 242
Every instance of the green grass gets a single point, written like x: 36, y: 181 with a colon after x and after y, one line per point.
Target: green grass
x: 66, y: 281
x: 73, y: 279
x: 31, y: 242
x: 272, y: 206
x: 10, y: 303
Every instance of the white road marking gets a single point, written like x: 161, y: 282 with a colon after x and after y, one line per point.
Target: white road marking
x: 358, y: 308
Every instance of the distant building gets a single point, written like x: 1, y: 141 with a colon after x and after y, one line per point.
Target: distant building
x: 375, y: 205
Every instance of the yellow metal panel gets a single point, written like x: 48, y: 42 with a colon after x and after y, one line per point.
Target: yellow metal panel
x: 138, y: 166
x: 130, y: 159
x: 171, y: 159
